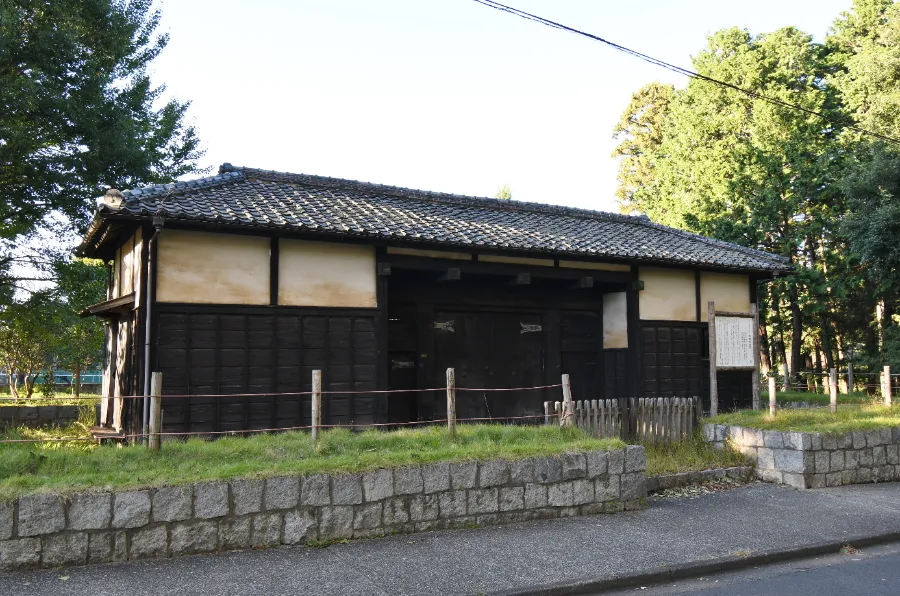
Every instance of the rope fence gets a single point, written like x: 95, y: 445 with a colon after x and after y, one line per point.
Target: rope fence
x: 154, y: 433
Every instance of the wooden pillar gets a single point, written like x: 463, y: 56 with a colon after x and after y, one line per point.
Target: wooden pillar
x: 567, y: 419
x: 755, y: 380
x: 713, y: 379
x: 451, y: 402
x: 833, y: 385
x: 316, y: 403
x: 155, y: 422
x: 772, y: 394
x: 886, y: 386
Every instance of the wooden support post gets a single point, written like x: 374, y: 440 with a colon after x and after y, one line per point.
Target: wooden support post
x: 886, y: 386
x: 713, y: 379
x: 451, y: 402
x: 833, y: 385
x: 567, y: 417
x: 772, y: 394
x: 155, y: 422
x: 757, y: 400
x: 316, y: 403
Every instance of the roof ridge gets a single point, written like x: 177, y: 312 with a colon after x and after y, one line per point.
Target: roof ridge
x: 487, y: 202
x: 181, y: 186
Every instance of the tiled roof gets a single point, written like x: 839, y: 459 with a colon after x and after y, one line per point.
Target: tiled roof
x: 316, y: 204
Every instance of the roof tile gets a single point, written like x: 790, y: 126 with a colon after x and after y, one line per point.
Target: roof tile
x: 348, y: 208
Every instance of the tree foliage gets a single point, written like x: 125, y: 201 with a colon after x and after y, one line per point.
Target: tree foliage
x: 78, y: 111
x: 721, y: 163
x: 27, y: 340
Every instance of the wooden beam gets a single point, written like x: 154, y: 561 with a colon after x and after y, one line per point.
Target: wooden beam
x: 273, y: 271
x: 452, y: 274
x: 697, y: 298
x: 504, y: 269
x: 713, y: 378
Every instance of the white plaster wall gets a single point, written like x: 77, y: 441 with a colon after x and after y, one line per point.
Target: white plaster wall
x: 668, y: 294
x: 615, y: 321
x: 202, y: 267
x: 730, y: 292
x: 326, y: 274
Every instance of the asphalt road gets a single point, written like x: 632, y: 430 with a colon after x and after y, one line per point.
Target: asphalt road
x: 873, y: 572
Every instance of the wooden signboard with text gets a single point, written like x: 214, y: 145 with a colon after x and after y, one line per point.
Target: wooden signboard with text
x: 733, y: 345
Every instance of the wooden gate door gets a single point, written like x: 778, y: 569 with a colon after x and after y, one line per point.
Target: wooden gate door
x: 490, y: 351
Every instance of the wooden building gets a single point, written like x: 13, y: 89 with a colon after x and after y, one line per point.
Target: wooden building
x: 255, y: 278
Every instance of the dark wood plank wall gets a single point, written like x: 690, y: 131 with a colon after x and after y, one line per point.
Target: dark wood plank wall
x: 495, y: 335
x: 675, y: 362
x: 615, y: 373
x: 264, y: 351
x: 672, y: 359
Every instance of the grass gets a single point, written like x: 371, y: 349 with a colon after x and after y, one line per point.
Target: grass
x: 819, y: 399
x: 61, y: 399
x: 66, y: 467
x: 692, y: 455
x: 846, y: 419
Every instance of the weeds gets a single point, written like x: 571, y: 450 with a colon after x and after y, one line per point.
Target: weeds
x: 692, y: 455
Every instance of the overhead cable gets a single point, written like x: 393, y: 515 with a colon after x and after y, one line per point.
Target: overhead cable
x: 684, y: 71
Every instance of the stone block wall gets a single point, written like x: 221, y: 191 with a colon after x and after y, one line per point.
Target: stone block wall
x: 50, y: 530
x: 35, y: 416
x: 815, y: 460
x: 680, y: 479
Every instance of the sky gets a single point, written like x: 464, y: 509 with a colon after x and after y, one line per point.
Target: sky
x: 443, y: 95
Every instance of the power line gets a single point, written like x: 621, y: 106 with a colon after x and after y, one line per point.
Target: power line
x: 680, y: 70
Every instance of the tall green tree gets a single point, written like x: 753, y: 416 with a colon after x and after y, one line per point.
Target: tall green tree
x: 744, y: 170
x: 640, y: 132
x: 28, y: 340
x: 78, y: 111
x: 80, y: 283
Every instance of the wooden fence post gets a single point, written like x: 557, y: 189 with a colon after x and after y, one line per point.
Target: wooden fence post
x: 713, y: 379
x: 886, y: 386
x: 451, y: 402
x: 833, y: 384
x: 567, y: 418
x: 316, y: 403
x: 850, y: 381
x: 757, y: 401
x: 155, y: 421
x: 772, y: 394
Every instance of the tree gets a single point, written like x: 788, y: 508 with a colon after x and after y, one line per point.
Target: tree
x: 504, y: 193
x: 724, y: 164
x: 865, y: 44
x: 81, y: 283
x: 640, y: 131
x: 27, y: 340
x: 78, y: 112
